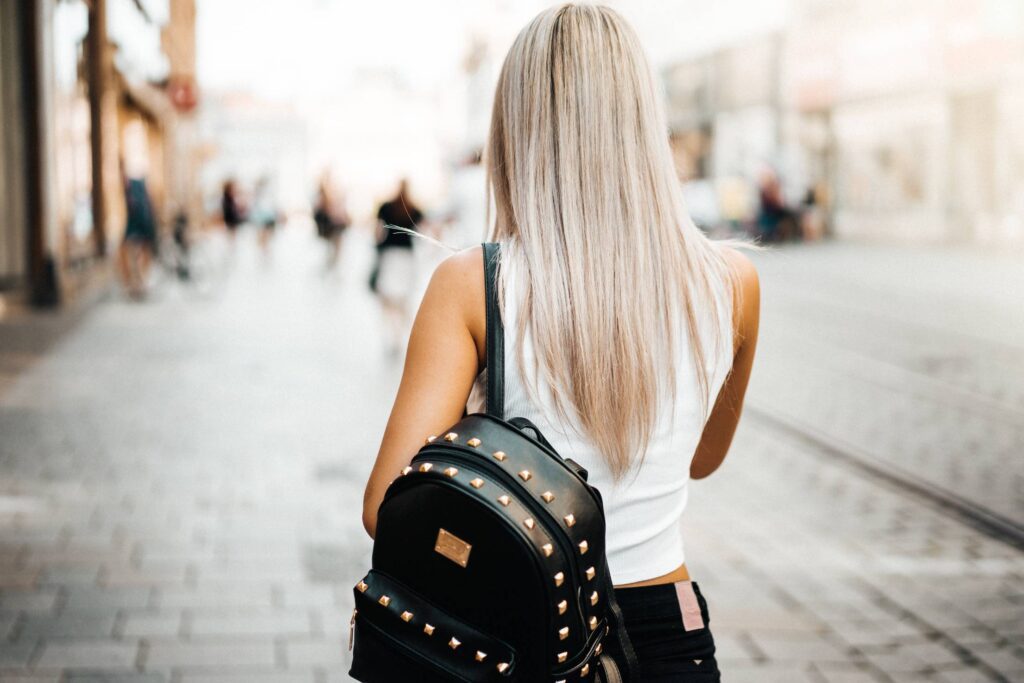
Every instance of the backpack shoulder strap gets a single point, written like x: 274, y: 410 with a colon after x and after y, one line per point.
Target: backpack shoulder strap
x: 495, y: 342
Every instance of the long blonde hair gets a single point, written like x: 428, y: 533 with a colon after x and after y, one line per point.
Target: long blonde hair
x: 584, y: 193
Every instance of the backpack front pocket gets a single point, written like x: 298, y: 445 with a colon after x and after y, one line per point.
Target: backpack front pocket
x: 399, y: 635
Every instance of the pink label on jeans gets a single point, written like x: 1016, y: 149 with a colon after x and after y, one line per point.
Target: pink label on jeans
x: 688, y: 605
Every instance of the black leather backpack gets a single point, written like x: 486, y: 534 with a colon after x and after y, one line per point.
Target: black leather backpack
x: 489, y: 561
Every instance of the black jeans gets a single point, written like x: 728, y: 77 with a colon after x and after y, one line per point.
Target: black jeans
x: 669, y: 628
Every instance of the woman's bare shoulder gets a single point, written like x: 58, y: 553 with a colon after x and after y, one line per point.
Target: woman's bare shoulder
x: 459, y: 281
x: 747, y: 296
x: 741, y: 265
x: 462, y: 275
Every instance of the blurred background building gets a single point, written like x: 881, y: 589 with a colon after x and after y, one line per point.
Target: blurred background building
x: 90, y: 90
x: 878, y: 121
x: 901, y: 117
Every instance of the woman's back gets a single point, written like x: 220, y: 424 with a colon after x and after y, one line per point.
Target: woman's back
x: 629, y: 335
x: 643, y: 508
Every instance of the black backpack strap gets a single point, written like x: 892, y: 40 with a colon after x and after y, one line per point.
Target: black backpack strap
x: 621, y: 643
x: 620, y: 648
x: 495, y: 406
x: 495, y: 335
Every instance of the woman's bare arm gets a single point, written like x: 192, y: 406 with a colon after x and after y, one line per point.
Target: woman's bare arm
x: 443, y: 359
x: 725, y: 416
x: 446, y: 352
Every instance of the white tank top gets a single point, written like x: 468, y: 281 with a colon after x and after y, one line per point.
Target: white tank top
x: 644, y: 509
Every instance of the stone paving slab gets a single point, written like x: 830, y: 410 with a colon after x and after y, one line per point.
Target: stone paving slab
x: 39, y: 677
x: 65, y: 625
x: 88, y: 653
x: 77, y: 676
x: 241, y: 652
x: 161, y: 624
x: 331, y: 653
x: 17, y: 656
x: 290, y: 677
x: 42, y: 601
x: 248, y: 622
x: 179, y: 499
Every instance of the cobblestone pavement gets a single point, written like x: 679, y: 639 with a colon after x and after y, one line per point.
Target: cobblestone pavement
x: 913, y: 360
x: 180, y: 485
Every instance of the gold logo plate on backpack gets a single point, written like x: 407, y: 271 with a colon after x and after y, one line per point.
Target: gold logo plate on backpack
x: 452, y: 547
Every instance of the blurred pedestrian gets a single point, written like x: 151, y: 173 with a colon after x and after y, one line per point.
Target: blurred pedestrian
x: 331, y: 218
x: 775, y: 220
x: 180, y: 245
x: 231, y: 207
x: 812, y: 214
x: 139, y: 245
x: 628, y: 342
x: 264, y: 211
x: 395, y: 269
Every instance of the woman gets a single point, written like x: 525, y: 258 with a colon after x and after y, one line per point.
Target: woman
x: 139, y: 245
x: 396, y: 267
x: 231, y: 207
x: 331, y: 218
x: 629, y: 335
x: 264, y: 211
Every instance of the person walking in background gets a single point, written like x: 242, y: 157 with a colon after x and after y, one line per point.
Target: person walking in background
x: 231, y: 207
x: 139, y: 245
x: 629, y: 335
x: 264, y: 211
x: 395, y: 270
x: 813, y: 212
x: 331, y: 218
x: 775, y: 220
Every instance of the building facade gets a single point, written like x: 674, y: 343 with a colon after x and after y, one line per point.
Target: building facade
x: 903, y: 116
x: 90, y: 92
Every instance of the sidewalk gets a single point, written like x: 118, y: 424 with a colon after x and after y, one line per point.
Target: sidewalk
x: 180, y: 487
x: 913, y: 359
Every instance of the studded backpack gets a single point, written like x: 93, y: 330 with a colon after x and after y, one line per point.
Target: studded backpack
x: 489, y: 560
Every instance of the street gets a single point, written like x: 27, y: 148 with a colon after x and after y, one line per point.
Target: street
x: 182, y: 477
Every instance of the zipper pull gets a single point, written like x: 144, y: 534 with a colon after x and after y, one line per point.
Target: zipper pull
x: 352, y: 629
